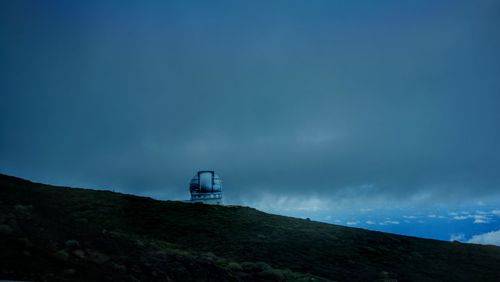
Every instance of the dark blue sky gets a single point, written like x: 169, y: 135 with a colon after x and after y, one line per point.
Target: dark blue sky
x: 324, y: 106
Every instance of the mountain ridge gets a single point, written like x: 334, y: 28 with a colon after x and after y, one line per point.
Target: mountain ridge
x: 54, y: 233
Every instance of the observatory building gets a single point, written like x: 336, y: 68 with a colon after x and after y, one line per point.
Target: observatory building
x: 206, y: 187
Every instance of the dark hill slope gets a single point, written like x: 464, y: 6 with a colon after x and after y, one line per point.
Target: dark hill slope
x: 55, y: 233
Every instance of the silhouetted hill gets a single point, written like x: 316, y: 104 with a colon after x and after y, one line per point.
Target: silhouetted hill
x: 50, y: 233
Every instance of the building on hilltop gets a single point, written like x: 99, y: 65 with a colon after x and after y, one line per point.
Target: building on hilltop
x: 206, y: 187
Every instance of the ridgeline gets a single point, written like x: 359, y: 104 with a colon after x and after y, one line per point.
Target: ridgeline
x: 50, y: 233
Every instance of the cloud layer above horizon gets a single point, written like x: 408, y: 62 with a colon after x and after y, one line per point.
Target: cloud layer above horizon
x: 299, y: 104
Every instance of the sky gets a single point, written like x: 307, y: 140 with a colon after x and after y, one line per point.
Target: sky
x: 361, y: 113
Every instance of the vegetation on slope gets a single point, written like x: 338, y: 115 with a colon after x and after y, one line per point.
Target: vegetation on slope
x: 55, y: 233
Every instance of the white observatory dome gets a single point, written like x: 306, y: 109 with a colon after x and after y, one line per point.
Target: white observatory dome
x: 206, y: 187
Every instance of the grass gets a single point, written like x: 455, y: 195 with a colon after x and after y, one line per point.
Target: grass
x: 210, y: 243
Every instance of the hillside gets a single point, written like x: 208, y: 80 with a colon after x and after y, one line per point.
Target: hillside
x: 50, y: 233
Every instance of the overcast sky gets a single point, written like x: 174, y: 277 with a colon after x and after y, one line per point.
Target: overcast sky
x: 296, y: 104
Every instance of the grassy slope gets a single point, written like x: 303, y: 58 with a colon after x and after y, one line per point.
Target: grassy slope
x: 124, y: 237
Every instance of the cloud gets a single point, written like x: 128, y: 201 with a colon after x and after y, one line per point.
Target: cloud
x: 480, y: 219
x: 457, y: 237
x: 276, y: 203
x: 354, y: 222
x: 274, y: 105
x: 495, y: 212
x: 370, y: 222
x: 489, y: 238
x: 387, y: 222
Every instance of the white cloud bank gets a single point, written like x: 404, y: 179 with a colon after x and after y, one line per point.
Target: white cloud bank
x: 489, y: 238
x: 479, y: 217
x: 457, y: 237
x: 387, y: 222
